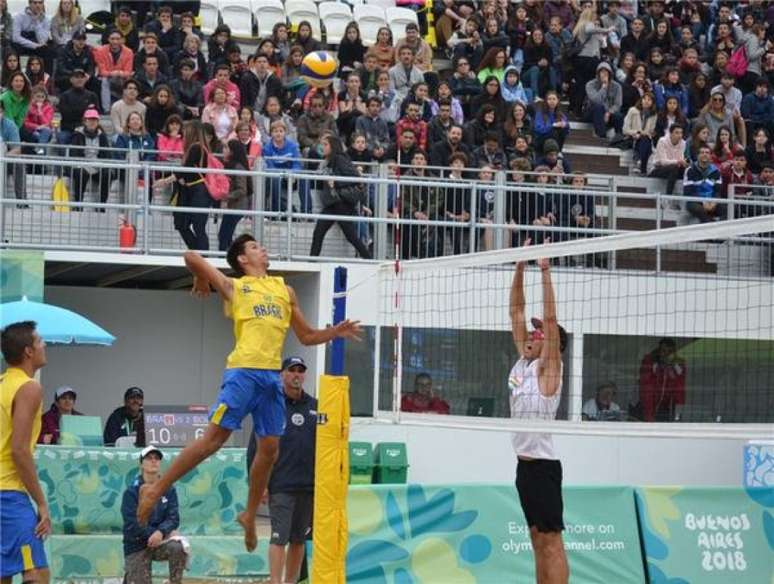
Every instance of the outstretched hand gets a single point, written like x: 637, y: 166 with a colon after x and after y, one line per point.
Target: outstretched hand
x: 349, y: 329
x: 544, y: 263
x: 200, y: 288
x: 521, y: 265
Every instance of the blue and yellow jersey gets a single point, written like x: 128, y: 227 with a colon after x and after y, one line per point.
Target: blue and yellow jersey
x: 10, y: 382
x: 260, y: 309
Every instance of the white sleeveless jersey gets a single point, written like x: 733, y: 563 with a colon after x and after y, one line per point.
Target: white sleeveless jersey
x: 527, y: 403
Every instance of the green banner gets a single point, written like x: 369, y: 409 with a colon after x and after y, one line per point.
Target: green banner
x: 707, y: 535
x: 468, y: 534
x: 21, y: 274
x: 84, y: 487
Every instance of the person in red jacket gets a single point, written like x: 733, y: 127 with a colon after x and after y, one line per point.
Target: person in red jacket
x: 115, y: 64
x: 423, y: 400
x: 662, y: 383
x: 64, y: 405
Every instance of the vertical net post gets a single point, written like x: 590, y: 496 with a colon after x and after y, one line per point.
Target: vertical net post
x: 331, y: 479
x: 339, y: 314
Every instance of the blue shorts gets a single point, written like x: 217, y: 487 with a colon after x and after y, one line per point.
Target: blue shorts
x: 20, y: 549
x: 251, y: 391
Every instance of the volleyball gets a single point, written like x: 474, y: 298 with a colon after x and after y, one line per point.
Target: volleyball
x: 318, y: 69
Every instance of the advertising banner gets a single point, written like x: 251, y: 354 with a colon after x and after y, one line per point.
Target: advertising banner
x: 707, y: 535
x: 476, y: 534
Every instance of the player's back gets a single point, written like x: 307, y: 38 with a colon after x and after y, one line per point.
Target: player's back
x: 260, y: 308
x: 10, y: 382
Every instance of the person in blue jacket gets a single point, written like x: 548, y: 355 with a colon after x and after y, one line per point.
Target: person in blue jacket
x: 280, y: 154
x: 669, y: 86
x: 146, y: 544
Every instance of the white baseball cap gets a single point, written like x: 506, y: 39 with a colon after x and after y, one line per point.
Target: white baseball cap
x: 63, y: 390
x: 148, y: 449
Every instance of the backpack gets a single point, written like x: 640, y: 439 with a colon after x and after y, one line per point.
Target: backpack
x: 217, y: 183
x: 737, y: 63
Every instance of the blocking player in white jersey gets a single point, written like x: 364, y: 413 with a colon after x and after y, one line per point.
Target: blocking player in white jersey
x: 535, y: 383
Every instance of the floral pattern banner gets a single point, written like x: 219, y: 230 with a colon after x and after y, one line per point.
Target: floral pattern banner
x: 707, y: 535
x: 476, y: 534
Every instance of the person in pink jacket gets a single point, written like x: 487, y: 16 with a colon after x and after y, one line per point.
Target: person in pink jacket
x: 222, y: 79
x: 37, y: 125
x: 115, y: 64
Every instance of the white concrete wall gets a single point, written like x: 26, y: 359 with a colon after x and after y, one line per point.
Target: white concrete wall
x: 443, y: 455
x: 168, y: 343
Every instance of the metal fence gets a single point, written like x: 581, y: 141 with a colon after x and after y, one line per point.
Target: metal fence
x: 409, y: 216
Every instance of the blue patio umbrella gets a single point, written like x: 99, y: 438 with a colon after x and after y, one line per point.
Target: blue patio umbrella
x: 55, y: 324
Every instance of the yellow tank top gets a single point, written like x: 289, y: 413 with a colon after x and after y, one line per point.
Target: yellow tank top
x: 260, y: 309
x: 10, y: 382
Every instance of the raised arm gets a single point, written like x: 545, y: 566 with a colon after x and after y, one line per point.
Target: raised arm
x: 310, y: 336
x: 206, y: 275
x: 551, y: 354
x: 26, y: 405
x: 517, y: 302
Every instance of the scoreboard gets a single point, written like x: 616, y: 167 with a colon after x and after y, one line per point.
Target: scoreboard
x: 174, y: 425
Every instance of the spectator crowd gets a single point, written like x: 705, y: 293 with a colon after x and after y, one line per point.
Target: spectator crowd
x: 684, y: 84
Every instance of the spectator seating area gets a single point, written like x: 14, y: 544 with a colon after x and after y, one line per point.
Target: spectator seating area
x: 515, y: 90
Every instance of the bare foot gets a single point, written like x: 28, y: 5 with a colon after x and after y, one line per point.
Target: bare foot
x: 145, y: 504
x: 248, y: 524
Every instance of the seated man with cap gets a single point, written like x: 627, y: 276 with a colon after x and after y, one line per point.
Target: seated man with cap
x: 158, y: 540
x: 127, y: 420
x: 64, y: 405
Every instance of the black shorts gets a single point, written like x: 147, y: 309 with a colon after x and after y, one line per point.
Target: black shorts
x: 291, y: 517
x: 539, y: 484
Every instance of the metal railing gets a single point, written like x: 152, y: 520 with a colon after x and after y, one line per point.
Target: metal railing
x: 433, y: 216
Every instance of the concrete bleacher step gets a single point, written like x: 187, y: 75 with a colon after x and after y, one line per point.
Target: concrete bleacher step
x: 672, y: 260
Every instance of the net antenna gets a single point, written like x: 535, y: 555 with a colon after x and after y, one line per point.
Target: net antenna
x: 449, y: 317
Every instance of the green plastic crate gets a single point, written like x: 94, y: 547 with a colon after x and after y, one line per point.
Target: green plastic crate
x: 361, y: 463
x: 391, y: 463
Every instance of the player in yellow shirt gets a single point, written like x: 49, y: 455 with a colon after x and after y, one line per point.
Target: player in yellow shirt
x: 262, y: 307
x: 22, y: 530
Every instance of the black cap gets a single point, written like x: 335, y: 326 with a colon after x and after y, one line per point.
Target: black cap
x: 293, y: 362
x: 78, y: 73
x: 134, y: 392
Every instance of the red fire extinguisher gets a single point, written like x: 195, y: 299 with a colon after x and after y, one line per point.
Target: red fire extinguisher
x: 127, y: 235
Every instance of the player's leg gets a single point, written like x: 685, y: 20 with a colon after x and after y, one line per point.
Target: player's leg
x: 265, y: 457
x: 200, y: 449
x: 295, y: 558
x: 21, y: 552
x: 236, y: 399
x: 269, y: 424
x: 552, y: 558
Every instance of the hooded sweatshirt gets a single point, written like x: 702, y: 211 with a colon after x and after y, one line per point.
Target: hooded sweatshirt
x: 513, y: 93
x: 610, y: 97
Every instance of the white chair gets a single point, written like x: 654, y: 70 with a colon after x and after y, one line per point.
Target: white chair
x: 267, y: 14
x: 209, y: 13
x: 335, y: 17
x: 89, y: 7
x: 298, y: 10
x: 18, y: 6
x: 383, y: 3
x: 398, y: 18
x: 370, y: 19
x: 238, y: 15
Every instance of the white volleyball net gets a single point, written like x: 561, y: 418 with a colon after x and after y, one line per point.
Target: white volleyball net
x: 670, y: 332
